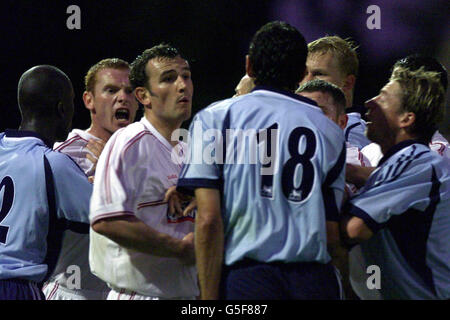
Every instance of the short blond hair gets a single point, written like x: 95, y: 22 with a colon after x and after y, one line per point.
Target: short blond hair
x: 422, y: 94
x: 91, y: 77
x: 343, y: 49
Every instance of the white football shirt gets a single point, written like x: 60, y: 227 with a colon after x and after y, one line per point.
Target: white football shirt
x: 73, y: 260
x: 133, y: 173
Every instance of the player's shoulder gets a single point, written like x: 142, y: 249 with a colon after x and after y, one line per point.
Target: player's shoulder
x: 61, y: 162
x: 135, y: 134
x: 415, y: 158
x: 77, y: 138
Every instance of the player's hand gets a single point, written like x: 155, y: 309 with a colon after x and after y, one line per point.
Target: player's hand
x: 357, y: 175
x: 176, y: 202
x: 188, y: 255
x: 96, y: 147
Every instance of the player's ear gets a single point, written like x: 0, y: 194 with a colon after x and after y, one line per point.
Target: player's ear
x: 88, y: 99
x: 342, y: 121
x: 349, y: 83
x: 249, y: 67
x: 407, y: 119
x: 142, y: 95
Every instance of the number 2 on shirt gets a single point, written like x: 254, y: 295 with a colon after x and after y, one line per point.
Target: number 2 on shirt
x: 7, y: 186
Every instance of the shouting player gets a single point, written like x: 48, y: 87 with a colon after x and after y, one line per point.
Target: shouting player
x: 112, y: 105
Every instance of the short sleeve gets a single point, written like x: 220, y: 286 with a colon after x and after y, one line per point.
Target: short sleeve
x: 202, y: 166
x: 71, y: 188
x: 383, y: 199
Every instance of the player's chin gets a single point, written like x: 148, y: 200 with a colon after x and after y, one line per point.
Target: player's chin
x: 185, y: 113
x: 371, y: 133
x: 122, y: 123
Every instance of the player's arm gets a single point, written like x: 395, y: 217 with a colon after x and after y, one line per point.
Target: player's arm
x: 132, y: 233
x: 209, y: 242
x: 71, y: 190
x: 354, y: 229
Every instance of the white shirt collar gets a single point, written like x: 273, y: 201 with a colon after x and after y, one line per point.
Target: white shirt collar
x: 155, y: 132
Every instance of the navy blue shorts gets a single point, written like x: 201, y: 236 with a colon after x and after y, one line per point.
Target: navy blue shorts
x: 17, y: 289
x: 252, y: 280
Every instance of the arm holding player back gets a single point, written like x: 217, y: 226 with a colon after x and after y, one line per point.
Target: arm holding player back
x: 209, y: 242
x: 132, y: 233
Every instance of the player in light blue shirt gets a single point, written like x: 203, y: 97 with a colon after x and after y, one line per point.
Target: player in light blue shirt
x: 267, y: 170
x: 402, y: 213
x: 42, y: 192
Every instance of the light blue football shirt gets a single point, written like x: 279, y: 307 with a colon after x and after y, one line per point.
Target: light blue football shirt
x: 278, y: 186
x: 406, y: 202
x: 42, y: 193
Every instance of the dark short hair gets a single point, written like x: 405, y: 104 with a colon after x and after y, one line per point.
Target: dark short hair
x: 277, y: 55
x: 138, y: 75
x: 416, y: 61
x: 326, y: 87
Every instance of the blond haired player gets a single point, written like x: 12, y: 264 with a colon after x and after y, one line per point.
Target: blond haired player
x: 334, y: 60
x: 109, y: 98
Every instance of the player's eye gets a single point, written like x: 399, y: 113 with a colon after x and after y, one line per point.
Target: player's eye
x: 170, y: 78
x: 110, y: 90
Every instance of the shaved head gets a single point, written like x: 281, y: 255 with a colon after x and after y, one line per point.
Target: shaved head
x: 45, y: 93
x: 40, y: 89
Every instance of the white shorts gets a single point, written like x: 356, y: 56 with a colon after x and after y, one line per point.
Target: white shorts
x: 54, y: 291
x: 123, y: 294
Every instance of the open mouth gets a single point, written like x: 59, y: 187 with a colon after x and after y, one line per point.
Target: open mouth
x: 122, y: 114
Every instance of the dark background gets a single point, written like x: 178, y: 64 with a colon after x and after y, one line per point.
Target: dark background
x: 213, y: 35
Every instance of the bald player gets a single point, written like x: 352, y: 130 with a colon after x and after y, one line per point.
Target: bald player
x: 43, y: 192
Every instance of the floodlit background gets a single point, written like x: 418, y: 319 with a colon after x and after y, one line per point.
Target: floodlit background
x: 213, y: 35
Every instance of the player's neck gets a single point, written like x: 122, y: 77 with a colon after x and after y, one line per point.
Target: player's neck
x: 399, y: 137
x: 47, y: 132
x: 99, y: 132
x: 165, y: 128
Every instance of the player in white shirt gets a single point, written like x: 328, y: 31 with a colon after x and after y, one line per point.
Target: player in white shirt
x: 109, y: 97
x: 334, y: 59
x: 137, y: 247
